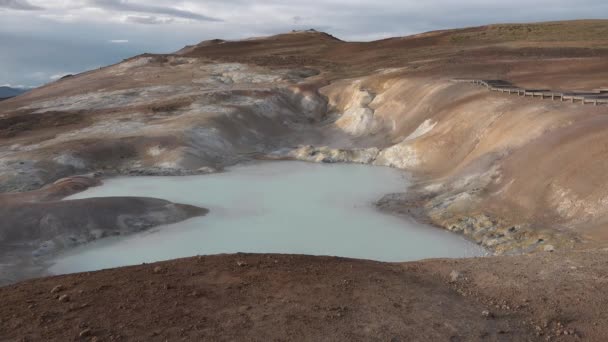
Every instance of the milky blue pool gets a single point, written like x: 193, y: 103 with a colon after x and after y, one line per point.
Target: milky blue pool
x: 272, y: 207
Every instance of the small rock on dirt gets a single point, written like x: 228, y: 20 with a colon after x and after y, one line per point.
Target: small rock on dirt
x: 157, y: 269
x: 64, y: 298
x: 455, y: 276
x: 86, y: 332
x: 487, y: 314
x: 57, y: 289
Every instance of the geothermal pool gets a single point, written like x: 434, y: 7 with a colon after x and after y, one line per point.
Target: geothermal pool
x: 271, y: 207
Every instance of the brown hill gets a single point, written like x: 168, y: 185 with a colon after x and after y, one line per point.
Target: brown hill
x: 446, y: 52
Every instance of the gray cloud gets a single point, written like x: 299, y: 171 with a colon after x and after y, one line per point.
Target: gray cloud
x: 148, y: 20
x: 22, y: 5
x: 72, y: 35
x: 126, y: 6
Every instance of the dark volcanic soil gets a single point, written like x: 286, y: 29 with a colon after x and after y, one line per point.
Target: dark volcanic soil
x: 285, y: 298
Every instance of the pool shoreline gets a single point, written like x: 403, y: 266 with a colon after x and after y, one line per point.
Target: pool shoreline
x: 276, y: 171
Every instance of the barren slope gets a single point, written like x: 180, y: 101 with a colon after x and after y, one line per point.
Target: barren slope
x: 304, y: 298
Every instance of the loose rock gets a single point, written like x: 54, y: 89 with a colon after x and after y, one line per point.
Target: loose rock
x: 487, y: 314
x: 57, y: 289
x: 86, y: 332
x: 455, y: 276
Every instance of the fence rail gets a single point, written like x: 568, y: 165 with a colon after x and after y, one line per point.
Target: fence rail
x: 595, y: 97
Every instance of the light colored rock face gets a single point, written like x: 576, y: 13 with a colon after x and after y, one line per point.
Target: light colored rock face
x: 423, y: 129
x: 134, y: 63
x: 216, y: 114
x: 69, y: 160
x: 355, y: 110
x: 404, y: 154
x: 401, y: 155
x: 573, y: 206
x: 358, y: 118
x: 235, y: 73
x: 326, y: 154
x: 111, y: 99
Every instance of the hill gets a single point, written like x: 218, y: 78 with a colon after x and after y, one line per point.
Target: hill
x: 7, y: 92
x: 478, y: 51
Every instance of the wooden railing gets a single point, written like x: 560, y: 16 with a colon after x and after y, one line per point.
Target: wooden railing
x: 595, y: 97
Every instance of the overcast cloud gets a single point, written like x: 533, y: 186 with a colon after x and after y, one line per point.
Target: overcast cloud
x: 42, y: 39
x: 22, y: 5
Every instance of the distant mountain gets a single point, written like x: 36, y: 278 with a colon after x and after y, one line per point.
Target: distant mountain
x: 6, y: 92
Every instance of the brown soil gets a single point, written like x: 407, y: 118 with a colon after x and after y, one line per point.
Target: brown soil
x: 22, y: 123
x: 285, y: 298
x: 516, y: 52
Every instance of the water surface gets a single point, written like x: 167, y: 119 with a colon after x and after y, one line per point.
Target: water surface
x: 272, y: 207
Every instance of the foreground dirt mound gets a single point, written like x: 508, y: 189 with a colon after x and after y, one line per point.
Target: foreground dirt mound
x: 287, y: 298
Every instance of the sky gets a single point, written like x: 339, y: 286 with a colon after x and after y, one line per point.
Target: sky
x: 42, y: 40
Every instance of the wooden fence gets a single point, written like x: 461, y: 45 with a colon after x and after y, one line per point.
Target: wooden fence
x: 595, y: 97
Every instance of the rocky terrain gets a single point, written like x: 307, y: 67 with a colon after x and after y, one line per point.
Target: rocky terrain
x: 549, y: 296
x: 521, y: 176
